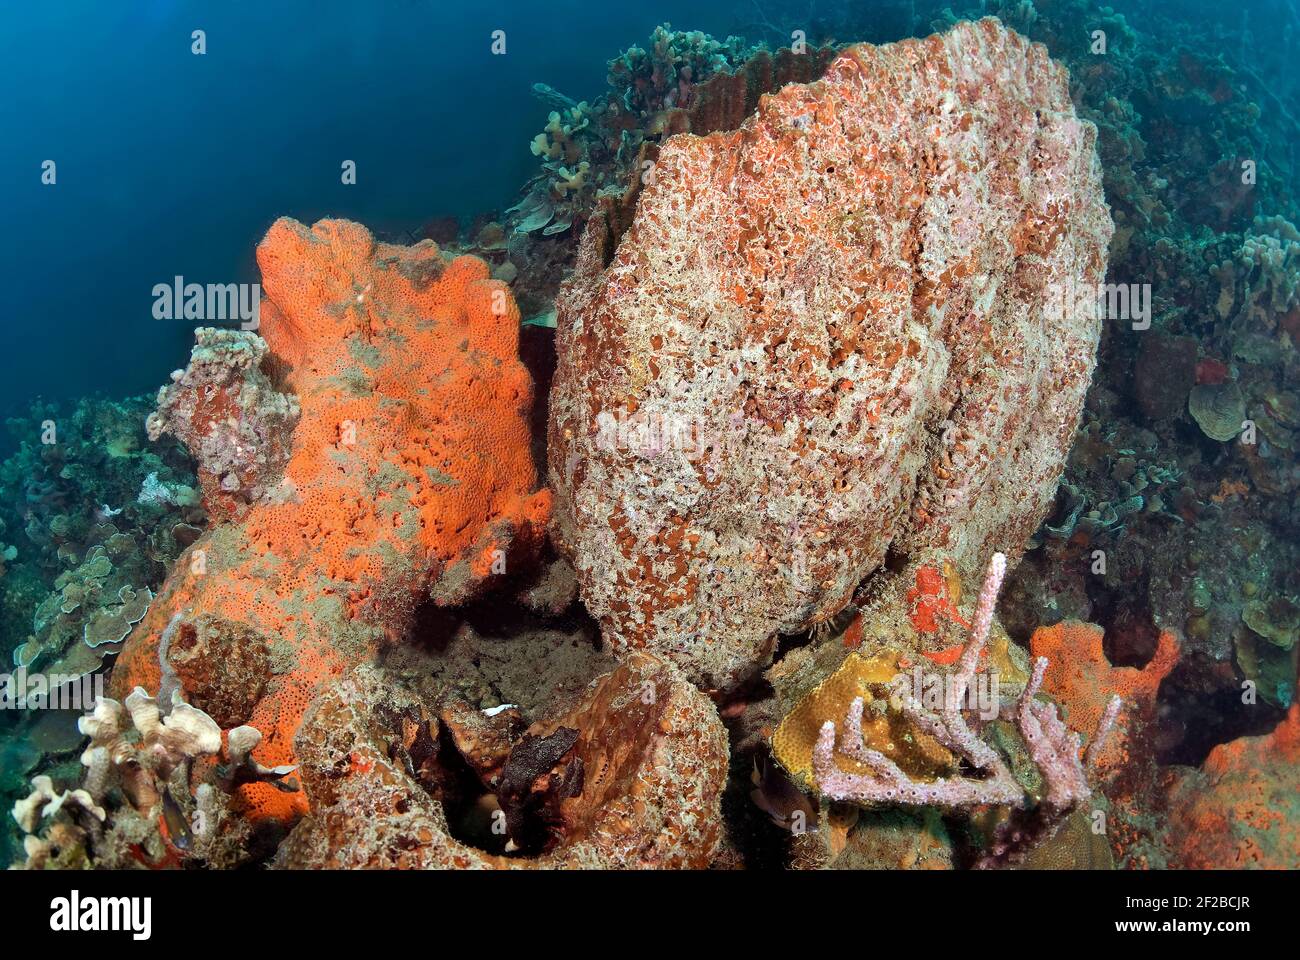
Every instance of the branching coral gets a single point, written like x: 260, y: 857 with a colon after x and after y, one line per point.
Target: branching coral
x: 149, y: 750
x: 1267, y: 267
x: 558, y: 140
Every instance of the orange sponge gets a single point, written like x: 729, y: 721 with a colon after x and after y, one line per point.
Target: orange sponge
x: 1241, y: 808
x: 1082, y: 679
x: 409, y: 472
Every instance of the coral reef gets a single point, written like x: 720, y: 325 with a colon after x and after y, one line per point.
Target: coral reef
x: 665, y: 76
x: 86, y: 551
x: 408, y: 475
x: 880, y: 312
x: 89, y: 615
x: 1082, y: 679
x: 1197, y: 152
x: 828, y: 343
x: 604, y: 138
x: 883, y: 781
x: 93, y: 548
x: 562, y: 191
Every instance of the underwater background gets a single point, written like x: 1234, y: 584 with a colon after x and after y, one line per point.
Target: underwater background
x: 192, y: 168
x: 170, y: 163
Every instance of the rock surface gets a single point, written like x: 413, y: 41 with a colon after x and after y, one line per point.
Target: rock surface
x: 635, y: 783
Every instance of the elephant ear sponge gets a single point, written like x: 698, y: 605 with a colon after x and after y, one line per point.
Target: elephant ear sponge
x: 858, y: 323
x: 409, y: 474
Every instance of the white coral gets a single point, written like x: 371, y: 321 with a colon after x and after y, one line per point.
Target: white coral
x: 44, y: 802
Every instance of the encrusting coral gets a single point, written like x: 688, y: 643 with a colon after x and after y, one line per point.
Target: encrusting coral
x: 876, y: 278
x: 408, y: 474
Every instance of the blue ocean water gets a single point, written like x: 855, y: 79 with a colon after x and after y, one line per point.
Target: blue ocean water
x: 170, y: 163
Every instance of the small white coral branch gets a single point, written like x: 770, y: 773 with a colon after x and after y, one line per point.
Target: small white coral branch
x: 242, y: 768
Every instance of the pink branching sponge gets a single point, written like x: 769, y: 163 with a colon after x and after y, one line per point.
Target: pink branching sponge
x: 1052, y: 747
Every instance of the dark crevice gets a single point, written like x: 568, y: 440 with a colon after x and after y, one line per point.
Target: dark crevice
x: 1124, y: 612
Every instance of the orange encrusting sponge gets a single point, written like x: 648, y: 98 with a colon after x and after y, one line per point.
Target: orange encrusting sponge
x: 1240, y: 809
x: 1083, y: 680
x: 410, y: 471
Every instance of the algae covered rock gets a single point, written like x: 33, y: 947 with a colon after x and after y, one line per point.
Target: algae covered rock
x: 632, y: 777
x: 230, y: 415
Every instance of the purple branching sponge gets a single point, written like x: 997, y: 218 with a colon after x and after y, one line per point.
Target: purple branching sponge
x: 1051, y: 745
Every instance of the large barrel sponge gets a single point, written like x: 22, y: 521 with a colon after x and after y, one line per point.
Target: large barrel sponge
x: 852, y: 326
